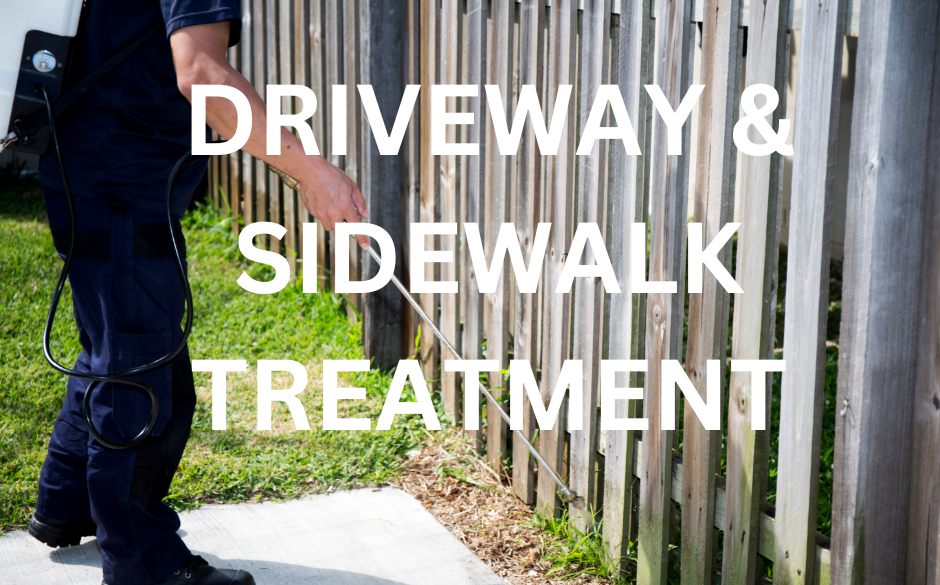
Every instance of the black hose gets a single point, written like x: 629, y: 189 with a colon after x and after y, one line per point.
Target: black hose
x: 122, y: 376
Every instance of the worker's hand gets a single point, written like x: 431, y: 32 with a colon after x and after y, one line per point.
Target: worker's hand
x: 199, y: 58
x: 331, y: 196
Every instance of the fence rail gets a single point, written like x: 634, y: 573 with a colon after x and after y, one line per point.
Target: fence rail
x: 640, y: 483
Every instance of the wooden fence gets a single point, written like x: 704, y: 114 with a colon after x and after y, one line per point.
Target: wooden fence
x: 887, y: 462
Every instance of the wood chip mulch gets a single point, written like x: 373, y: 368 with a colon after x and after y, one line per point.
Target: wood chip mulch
x: 480, y: 511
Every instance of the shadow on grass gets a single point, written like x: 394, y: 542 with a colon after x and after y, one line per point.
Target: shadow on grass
x: 21, y: 199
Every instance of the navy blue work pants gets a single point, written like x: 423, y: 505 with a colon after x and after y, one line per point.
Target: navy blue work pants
x: 128, y: 304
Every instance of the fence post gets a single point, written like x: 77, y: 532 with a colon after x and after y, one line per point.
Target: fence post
x: 383, y: 62
x: 887, y: 453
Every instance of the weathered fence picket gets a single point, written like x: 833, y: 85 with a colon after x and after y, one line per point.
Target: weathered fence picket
x: 559, y: 177
x: 816, y: 135
x: 411, y: 155
x: 212, y: 177
x: 450, y: 315
x: 884, y: 507
x: 472, y: 198
x: 668, y: 203
x: 246, y: 63
x: 644, y: 485
x: 528, y: 213
x: 232, y: 163
x: 285, y: 77
x: 589, y: 294
x: 626, y: 206
x: 301, y: 50
x: 708, y: 311
x: 496, y: 213
x: 755, y: 308
x: 274, y: 197
x: 260, y: 175
x: 317, y: 79
x: 334, y: 76
x: 429, y: 173
x: 351, y: 78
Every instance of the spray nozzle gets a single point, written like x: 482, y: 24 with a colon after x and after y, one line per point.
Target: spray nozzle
x: 7, y: 140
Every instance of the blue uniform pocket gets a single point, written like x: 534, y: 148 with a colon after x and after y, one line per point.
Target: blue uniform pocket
x: 139, y: 335
x: 131, y: 405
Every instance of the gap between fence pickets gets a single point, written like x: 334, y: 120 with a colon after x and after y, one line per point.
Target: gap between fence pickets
x: 795, y: 19
x: 796, y: 14
x: 765, y: 543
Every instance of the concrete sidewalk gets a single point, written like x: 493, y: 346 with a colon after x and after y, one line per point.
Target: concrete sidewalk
x: 362, y: 537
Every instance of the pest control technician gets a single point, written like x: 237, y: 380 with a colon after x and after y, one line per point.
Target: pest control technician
x: 119, y: 142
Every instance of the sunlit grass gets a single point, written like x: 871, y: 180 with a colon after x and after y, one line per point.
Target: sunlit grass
x: 240, y: 463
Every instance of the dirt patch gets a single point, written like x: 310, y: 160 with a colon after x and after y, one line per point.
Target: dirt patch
x: 478, y: 508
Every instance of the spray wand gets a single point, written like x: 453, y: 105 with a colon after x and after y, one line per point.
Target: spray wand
x: 565, y: 492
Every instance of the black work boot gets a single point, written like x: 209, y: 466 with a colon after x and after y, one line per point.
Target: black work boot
x: 196, y: 571
x: 56, y: 533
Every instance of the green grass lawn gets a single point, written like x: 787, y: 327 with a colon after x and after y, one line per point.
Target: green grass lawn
x: 242, y: 463
x: 230, y: 323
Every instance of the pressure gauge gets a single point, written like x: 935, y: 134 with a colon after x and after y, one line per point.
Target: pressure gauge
x: 44, y: 61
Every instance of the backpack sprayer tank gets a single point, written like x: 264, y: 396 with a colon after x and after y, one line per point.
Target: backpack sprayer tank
x: 36, y: 42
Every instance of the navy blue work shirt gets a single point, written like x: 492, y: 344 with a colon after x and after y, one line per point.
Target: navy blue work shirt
x: 123, y: 136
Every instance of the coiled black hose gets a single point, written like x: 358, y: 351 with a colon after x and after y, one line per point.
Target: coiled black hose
x: 123, y: 376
